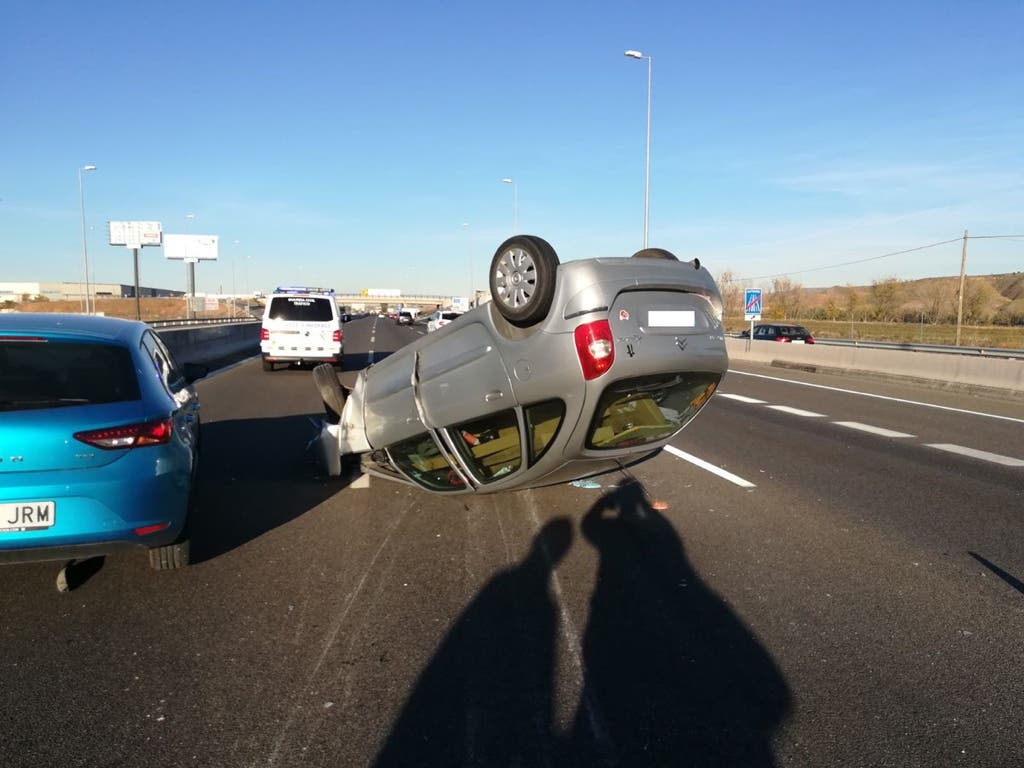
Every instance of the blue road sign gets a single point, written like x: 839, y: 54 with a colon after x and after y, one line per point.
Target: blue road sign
x: 752, y: 304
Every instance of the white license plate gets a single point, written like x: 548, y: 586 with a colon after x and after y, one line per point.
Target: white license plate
x: 27, y: 516
x: 668, y: 318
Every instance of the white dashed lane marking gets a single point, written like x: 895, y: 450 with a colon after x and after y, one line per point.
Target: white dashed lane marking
x: 741, y: 398
x: 873, y: 430
x: 797, y: 411
x: 995, y: 458
x: 736, y: 479
x: 973, y: 453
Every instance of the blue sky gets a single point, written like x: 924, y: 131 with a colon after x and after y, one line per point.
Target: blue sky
x: 362, y: 145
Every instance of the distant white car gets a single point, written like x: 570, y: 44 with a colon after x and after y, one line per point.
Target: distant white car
x: 440, y: 319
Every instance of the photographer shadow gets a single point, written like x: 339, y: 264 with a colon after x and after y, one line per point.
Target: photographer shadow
x: 485, y: 698
x: 673, y: 676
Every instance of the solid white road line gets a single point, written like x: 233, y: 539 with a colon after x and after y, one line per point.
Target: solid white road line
x: 973, y: 453
x: 871, y: 429
x: 736, y: 479
x: 797, y: 411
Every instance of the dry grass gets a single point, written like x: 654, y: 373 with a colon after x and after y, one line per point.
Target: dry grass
x: 150, y: 309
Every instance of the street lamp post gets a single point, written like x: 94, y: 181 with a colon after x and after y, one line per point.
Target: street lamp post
x: 515, y: 204
x: 85, y: 248
x: 647, y: 162
x: 472, y: 293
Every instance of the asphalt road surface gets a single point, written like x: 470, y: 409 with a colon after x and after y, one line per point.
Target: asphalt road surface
x: 812, y: 577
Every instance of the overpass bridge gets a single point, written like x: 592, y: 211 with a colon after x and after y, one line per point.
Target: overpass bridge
x: 357, y: 302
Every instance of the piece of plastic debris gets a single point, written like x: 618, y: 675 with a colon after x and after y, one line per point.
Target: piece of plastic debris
x: 585, y: 484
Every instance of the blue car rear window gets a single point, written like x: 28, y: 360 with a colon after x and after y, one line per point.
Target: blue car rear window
x: 42, y: 373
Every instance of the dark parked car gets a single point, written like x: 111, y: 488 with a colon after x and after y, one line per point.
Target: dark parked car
x: 785, y: 332
x: 99, y: 440
x: 571, y: 370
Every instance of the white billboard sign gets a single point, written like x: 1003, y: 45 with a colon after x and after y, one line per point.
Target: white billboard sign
x: 135, y: 234
x: 190, y: 247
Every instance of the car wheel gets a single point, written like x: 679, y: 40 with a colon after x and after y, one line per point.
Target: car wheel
x: 655, y: 253
x: 522, y: 279
x: 179, y: 553
x: 170, y: 557
x: 330, y: 390
x: 267, y: 365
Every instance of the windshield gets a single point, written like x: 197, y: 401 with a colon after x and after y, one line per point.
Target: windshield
x: 49, y: 374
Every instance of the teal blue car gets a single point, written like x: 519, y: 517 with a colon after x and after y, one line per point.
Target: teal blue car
x: 99, y: 440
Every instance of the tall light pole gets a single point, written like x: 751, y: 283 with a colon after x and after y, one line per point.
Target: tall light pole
x: 85, y: 248
x: 472, y: 293
x: 234, y: 293
x: 647, y: 162
x: 515, y: 204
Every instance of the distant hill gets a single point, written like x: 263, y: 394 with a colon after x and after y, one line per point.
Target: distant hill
x: 988, y: 300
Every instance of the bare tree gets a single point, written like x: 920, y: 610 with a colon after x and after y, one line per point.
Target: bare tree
x: 785, y: 298
x: 937, y: 299
x: 732, y: 293
x: 978, y: 294
x: 886, y: 296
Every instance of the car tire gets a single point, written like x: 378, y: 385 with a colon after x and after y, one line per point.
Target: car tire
x: 267, y: 365
x: 654, y: 253
x: 331, y: 392
x: 170, y: 557
x: 522, y: 279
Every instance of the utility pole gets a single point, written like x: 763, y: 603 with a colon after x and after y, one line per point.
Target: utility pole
x: 960, y: 302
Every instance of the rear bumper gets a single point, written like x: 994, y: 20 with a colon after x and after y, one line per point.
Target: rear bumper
x: 67, y: 552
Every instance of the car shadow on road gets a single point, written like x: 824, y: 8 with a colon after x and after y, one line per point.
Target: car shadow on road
x: 671, y: 675
x: 255, y: 475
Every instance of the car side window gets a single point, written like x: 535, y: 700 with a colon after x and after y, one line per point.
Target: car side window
x: 163, y: 363
x: 421, y: 460
x: 542, y: 423
x: 491, y: 446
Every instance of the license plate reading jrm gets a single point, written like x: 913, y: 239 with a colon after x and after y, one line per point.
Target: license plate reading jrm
x: 27, y: 516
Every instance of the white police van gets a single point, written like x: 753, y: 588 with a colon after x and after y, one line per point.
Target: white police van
x: 301, y: 325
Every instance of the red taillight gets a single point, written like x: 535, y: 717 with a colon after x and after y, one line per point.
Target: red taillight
x: 129, y: 436
x: 595, y: 348
x: 264, y: 334
x: 336, y: 337
x: 810, y: 339
x: 148, y: 529
x: 782, y: 339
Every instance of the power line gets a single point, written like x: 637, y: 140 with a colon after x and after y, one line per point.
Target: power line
x: 857, y: 261
x: 883, y: 256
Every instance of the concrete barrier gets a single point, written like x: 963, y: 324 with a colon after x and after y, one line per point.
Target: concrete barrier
x: 1000, y: 377
x: 204, y: 343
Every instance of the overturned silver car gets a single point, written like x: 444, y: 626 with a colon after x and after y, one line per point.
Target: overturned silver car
x: 571, y: 370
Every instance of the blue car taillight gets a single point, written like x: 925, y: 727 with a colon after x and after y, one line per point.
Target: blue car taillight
x: 155, y: 432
